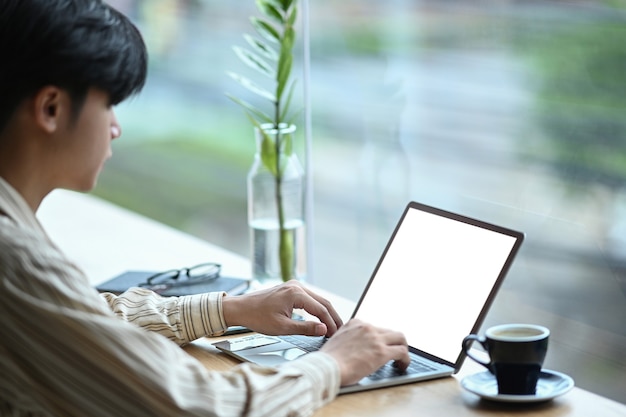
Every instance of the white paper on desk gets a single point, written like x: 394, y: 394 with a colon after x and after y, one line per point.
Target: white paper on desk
x: 248, y: 342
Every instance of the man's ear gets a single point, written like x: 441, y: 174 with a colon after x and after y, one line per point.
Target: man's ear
x: 49, y: 105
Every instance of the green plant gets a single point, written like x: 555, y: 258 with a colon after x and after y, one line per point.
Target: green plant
x: 271, y: 54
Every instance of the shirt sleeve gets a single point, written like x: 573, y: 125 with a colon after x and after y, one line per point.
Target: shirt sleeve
x: 63, y: 352
x: 180, y: 319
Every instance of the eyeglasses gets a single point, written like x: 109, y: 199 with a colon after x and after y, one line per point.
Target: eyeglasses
x: 180, y: 277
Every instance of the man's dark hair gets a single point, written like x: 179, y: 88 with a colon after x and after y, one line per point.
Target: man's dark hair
x: 72, y: 44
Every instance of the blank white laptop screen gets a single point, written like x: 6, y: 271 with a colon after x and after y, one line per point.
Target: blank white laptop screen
x: 434, y: 280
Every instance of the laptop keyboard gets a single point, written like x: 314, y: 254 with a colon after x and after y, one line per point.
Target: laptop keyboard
x: 312, y: 344
x: 306, y: 343
x: 390, y: 370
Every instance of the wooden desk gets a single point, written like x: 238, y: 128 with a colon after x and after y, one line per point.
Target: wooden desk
x: 442, y: 397
x: 105, y: 240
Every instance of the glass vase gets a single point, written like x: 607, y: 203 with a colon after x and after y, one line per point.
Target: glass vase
x: 276, y: 207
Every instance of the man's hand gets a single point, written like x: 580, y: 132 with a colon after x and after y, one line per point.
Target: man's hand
x: 269, y: 311
x: 360, y: 349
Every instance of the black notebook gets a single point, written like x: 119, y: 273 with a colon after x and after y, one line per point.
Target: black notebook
x: 128, y: 279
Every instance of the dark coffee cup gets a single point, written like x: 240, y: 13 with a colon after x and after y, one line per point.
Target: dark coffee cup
x: 516, y: 354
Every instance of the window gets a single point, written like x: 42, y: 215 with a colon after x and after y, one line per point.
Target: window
x: 512, y: 112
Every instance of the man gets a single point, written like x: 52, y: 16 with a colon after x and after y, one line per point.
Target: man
x: 65, y: 350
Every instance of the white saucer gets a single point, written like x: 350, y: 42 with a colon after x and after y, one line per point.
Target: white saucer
x: 551, y: 384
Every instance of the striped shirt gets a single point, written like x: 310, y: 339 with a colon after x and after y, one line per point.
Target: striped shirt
x: 66, y: 350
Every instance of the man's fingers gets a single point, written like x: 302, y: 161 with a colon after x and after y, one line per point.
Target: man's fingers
x: 398, y: 348
x: 308, y: 328
x: 314, y: 307
x: 401, y: 357
x: 392, y: 337
x: 329, y: 307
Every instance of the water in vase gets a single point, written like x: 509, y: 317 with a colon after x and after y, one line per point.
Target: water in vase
x: 265, y: 247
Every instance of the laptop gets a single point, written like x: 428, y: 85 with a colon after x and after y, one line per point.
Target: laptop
x: 435, y: 282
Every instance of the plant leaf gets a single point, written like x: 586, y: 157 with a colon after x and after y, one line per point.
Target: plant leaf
x: 255, y: 88
x: 285, y: 61
x: 254, y: 61
x: 286, y: 4
x: 265, y: 29
x: 268, y: 149
x: 288, y: 39
x: 284, y: 70
x: 261, y: 47
x: 285, y: 106
x: 251, y: 110
x: 292, y: 18
x: 269, y: 10
x: 268, y: 152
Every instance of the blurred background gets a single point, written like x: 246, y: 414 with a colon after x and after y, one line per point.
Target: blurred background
x: 513, y: 112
